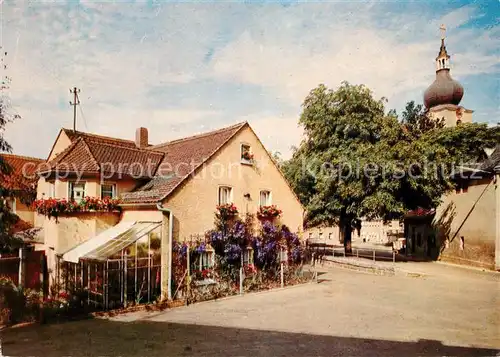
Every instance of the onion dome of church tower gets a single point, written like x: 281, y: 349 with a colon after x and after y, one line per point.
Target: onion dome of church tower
x: 444, y: 89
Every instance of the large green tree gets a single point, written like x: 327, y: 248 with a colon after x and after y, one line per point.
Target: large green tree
x: 7, y: 219
x: 359, y: 161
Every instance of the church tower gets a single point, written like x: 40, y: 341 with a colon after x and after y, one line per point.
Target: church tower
x: 443, y: 96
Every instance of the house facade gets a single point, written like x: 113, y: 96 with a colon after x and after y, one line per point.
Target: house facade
x: 372, y: 232
x: 22, y: 181
x: 467, y: 221
x: 177, y: 184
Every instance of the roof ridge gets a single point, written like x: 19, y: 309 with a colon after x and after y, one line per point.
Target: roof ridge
x: 97, y: 135
x: 130, y: 148
x: 196, y: 136
x: 21, y: 156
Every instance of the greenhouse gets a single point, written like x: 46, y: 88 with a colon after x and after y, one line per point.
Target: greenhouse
x: 118, y: 268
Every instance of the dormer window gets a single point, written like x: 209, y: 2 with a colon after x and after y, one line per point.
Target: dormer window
x: 246, y: 154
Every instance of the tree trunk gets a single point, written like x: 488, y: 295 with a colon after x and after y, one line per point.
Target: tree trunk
x: 346, y: 232
x: 347, y: 239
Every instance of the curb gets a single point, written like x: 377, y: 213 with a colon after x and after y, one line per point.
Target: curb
x: 361, y: 268
x: 386, y: 271
x: 469, y: 267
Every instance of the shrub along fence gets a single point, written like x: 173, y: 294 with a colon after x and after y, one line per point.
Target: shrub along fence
x: 235, y: 258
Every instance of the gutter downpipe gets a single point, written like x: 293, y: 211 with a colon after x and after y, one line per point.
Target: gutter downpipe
x: 160, y: 207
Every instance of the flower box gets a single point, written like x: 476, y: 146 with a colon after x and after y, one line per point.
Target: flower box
x: 247, y: 157
x: 54, y: 207
x: 227, y: 210
x: 268, y: 212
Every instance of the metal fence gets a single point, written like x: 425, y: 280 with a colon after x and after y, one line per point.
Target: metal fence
x: 191, y: 285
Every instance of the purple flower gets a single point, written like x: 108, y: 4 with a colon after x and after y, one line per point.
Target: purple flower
x: 201, y: 248
x: 232, y: 252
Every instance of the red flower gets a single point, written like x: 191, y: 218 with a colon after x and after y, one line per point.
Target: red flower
x: 53, y: 207
x: 268, y: 212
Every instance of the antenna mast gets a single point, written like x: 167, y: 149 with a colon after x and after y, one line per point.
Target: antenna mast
x: 76, y: 101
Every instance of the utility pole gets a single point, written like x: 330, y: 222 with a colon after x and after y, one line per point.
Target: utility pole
x: 76, y: 101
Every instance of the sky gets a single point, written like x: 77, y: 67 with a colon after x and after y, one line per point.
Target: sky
x: 181, y: 68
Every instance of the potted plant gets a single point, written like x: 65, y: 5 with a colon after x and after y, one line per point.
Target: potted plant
x: 268, y: 212
x: 247, y: 156
x: 227, y: 210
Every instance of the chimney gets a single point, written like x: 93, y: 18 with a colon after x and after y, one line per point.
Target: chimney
x: 141, y: 138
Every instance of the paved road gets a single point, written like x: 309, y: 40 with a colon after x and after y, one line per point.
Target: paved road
x: 449, y: 311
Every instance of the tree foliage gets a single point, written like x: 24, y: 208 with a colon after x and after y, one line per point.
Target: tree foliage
x: 7, y: 218
x: 359, y: 161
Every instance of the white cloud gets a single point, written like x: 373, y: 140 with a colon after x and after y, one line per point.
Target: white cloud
x: 118, y: 54
x: 277, y: 133
x: 385, y: 61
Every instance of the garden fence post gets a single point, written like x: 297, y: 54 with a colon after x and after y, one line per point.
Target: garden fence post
x: 149, y: 267
x: 374, y: 255
x: 241, y: 280
x: 125, y: 279
x: 137, y: 293
x: 22, y: 267
x: 241, y: 274
x: 107, y: 284
x: 188, y: 276
x: 88, y: 283
x: 394, y: 257
x: 96, y: 285
x: 357, y: 253
x: 281, y: 266
x: 81, y: 275
x: 75, y: 280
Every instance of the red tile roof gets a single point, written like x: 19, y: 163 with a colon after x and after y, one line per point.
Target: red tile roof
x: 182, y: 158
x: 89, y: 153
x: 23, y: 169
x: 168, y: 164
x: 73, y: 135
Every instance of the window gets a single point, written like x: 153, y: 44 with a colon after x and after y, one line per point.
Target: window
x: 108, y: 190
x: 204, y: 261
x: 225, y: 195
x: 76, y: 190
x: 265, y: 198
x: 246, y: 154
x: 52, y: 190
